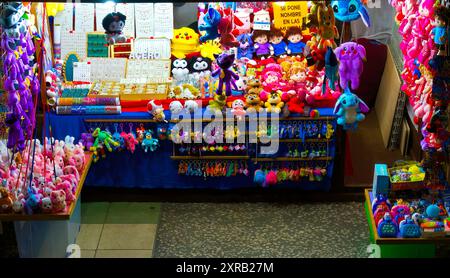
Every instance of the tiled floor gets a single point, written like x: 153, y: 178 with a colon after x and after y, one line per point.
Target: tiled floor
x: 118, y: 230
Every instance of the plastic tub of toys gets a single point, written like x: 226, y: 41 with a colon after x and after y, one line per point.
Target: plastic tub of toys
x: 406, y: 177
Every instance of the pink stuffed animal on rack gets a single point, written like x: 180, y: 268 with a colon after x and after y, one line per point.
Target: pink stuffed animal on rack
x: 351, y: 56
x: 421, y: 28
x: 130, y: 141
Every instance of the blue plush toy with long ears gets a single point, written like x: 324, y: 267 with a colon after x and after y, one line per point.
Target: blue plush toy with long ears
x: 349, y: 110
x: 331, y: 70
x: 350, y: 10
x: 211, y: 21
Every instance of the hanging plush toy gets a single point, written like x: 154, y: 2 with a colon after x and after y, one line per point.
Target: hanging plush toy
x: 210, y: 23
x: 149, y: 143
x: 350, y: 56
x: 102, y: 139
x: 130, y: 141
x: 113, y: 23
x: 226, y: 75
x: 350, y: 10
x: 331, y: 70
x: 349, y: 110
x: 327, y: 30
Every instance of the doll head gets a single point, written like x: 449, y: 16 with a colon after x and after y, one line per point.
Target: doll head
x: 276, y: 36
x: 441, y: 16
x: 114, y: 22
x: 245, y: 40
x: 260, y: 36
x: 224, y: 60
x: 294, y: 34
x: 297, y: 72
x: 426, y: 8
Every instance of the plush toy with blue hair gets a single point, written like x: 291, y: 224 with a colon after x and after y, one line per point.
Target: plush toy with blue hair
x: 210, y: 24
x: 350, y: 10
x: 349, y: 110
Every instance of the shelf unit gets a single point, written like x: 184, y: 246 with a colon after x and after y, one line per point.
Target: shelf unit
x: 210, y: 157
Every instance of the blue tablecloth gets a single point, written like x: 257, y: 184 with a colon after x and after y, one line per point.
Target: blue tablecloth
x: 150, y: 170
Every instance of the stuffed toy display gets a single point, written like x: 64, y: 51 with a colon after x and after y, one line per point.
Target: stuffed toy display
x: 295, y: 45
x: 261, y: 43
x: 349, y: 110
x: 113, y: 23
x: 226, y: 75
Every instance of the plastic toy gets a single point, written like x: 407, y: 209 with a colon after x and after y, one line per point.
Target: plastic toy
x: 350, y: 56
x: 409, y: 229
x: 238, y: 109
x: 210, y: 24
x: 149, y: 143
x: 274, y: 102
x: 253, y: 102
x: 185, y: 40
x: 349, y: 110
x: 327, y: 30
x: 113, y: 23
x: 440, y: 31
x: 156, y: 110
x: 226, y: 75
x: 245, y: 49
x: 279, y: 47
x: 261, y: 44
x: 295, y: 45
x: 387, y: 227
x: 350, y: 10
x: 102, y: 139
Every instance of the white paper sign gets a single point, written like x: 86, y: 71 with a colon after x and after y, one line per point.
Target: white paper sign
x: 107, y: 69
x: 73, y: 41
x: 155, y: 71
x: 101, y: 10
x: 128, y: 11
x: 151, y: 49
x: 163, y: 20
x: 82, y: 71
x: 144, y: 20
x: 65, y: 17
x: 84, y: 17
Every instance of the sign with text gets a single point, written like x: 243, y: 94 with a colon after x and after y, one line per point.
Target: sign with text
x: 288, y: 14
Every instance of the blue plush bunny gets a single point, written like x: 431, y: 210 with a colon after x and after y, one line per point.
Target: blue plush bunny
x: 211, y: 20
x: 349, y: 110
x: 349, y: 10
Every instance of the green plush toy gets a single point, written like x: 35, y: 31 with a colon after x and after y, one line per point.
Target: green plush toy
x: 218, y: 103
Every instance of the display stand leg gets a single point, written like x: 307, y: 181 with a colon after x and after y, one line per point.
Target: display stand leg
x: 47, y: 239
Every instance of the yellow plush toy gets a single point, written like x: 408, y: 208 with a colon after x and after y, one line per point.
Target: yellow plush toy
x: 185, y: 40
x: 274, y: 102
x: 209, y: 48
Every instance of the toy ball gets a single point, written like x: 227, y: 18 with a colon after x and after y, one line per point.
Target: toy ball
x: 432, y: 211
x: 259, y: 178
x: 314, y: 114
x: 271, y: 178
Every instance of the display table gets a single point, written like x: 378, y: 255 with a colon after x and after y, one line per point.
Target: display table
x: 400, y: 247
x: 49, y: 235
x: 159, y: 169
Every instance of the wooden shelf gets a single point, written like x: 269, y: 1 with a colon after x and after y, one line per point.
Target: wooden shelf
x: 267, y: 159
x: 53, y: 216
x: 398, y: 240
x: 211, y: 157
x: 267, y: 119
x: 301, y: 141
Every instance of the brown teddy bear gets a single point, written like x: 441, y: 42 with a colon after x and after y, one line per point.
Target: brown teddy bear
x: 253, y: 102
x: 5, y: 201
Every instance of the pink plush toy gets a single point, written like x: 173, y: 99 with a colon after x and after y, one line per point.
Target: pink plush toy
x: 350, y: 56
x: 130, y: 141
x: 422, y: 27
x: 67, y: 188
x: 58, y: 198
x: 273, y: 80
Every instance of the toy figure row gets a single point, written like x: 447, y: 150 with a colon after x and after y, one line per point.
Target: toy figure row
x: 221, y: 149
x: 21, y: 82
x: 99, y: 139
x: 268, y: 175
x: 409, y: 220
x: 43, y: 178
x: 213, y: 168
x: 306, y: 130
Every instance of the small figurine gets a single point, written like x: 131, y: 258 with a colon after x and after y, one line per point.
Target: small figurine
x: 279, y: 47
x: 113, y: 23
x: 440, y: 31
x: 225, y: 73
x: 157, y: 111
x: 261, y: 44
x: 211, y: 21
x: 295, y: 45
x: 245, y: 49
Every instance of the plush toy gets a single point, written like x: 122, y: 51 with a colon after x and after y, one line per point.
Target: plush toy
x: 102, y: 139
x: 46, y: 205
x: 149, y: 143
x: 58, y: 198
x: 175, y: 107
x: 130, y: 141
x: 350, y: 56
x: 261, y: 43
x: 279, y: 47
x: 331, y: 70
x: 6, y: 201
x: 226, y: 26
x: 295, y: 45
x: 350, y: 10
x: 253, y: 102
x: 217, y: 104
x: 210, y: 48
x: 327, y: 30
x: 238, y: 109
x: 198, y: 65
x: 274, y: 102
x: 180, y: 70
x: 156, y: 110
x: 440, y: 31
x: 241, y: 86
x: 295, y: 101
x: 210, y: 24
x: 113, y: 23
x: 190, y: 106
x: 87, y: 140
x: 244, y: 16
x: 245, y: 48
x: 349, y: 110
x: 185, y: 40
x: 226, y: 75
x: 32, y: 201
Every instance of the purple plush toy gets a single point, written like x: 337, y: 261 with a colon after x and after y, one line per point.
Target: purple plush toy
x: 15, y: 133
x: 226, y: 75
x: 87, y: 140
x: 350, y: 56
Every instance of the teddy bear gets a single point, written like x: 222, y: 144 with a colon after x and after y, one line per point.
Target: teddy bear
x: 274, y: 102
x: 58, y: 198
x: 46, y: 205
x: 5, y: 201
x: 253, y: 102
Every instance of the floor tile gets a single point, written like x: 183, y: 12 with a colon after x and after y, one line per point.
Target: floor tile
x: 127, y: 236
x: 133, y: 213
x: 123, y: 254
x: 89, y: 236
x: 87, y: 254
x: 94, y: 212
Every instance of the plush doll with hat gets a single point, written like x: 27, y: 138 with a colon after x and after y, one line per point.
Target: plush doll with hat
x: 113, y: 23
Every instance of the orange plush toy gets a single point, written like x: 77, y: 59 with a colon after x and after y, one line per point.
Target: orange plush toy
x: 327, y: 29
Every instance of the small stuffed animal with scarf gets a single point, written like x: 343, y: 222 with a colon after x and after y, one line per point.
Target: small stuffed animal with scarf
x: 226, y: 75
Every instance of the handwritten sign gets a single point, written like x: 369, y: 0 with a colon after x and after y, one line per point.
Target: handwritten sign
x: 288, y: 14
